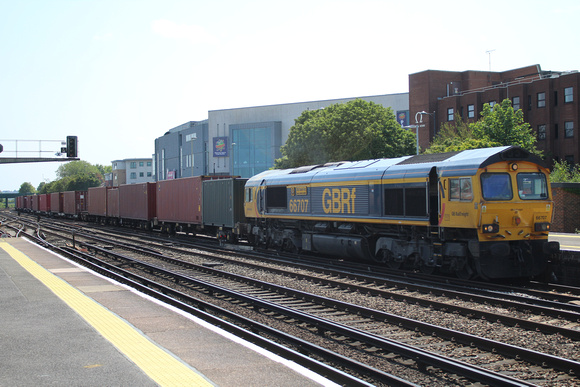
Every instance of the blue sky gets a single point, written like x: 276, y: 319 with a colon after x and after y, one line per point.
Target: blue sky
x: 119, y: 74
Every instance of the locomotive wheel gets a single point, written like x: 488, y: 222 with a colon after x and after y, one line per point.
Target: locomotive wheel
x: 465, y: 272
x: 387, y: 257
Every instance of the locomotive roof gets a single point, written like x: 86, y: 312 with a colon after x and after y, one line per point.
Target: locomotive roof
x: 460, y: 163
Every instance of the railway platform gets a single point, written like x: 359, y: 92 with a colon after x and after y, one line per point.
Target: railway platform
x: 61, y: 324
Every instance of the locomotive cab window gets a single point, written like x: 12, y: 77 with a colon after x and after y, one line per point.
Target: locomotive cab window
x: 248, y: 195
x: 461, y: 189
x: 496, y: 186
x: 532, y: 186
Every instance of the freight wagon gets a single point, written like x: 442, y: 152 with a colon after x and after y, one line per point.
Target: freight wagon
x: 179, y: 203
x: 223, y: 207
x: 56, y: 203
x: 74, y: 203
x: 138, y: 205
x: 44, y: 204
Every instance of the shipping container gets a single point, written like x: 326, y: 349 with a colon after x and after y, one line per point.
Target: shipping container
x: 223, y: 202
x: 20, y: 203
x: 138, y: 202
x: 97, y: 202
x: 74, y: 203
x: 34, y: 203
x: 113, y: 204
x: 44, y: 203
x: 56, y: 202
x: 179, y: 202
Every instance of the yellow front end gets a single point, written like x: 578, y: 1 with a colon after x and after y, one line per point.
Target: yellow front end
x: 510, y: 206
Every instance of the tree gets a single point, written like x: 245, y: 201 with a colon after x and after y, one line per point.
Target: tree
x: 104, y: 169
x: 457, y: 136
x: 498, y: 126
x: 26, y: 189
x: 357, y: 130
x: 75, y: 168
x: 562, y: 172
x: 75, y: 176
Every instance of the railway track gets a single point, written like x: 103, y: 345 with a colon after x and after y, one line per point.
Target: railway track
x: 374, y: 329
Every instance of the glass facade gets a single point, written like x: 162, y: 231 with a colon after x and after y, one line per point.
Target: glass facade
x: 254, y: 147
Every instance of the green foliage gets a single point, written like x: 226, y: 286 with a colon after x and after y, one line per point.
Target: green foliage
x: 76, y: 168
x: 104, y: 169
x: 565, y: 173
x: 74, y: 176
x: 26, y: 189
x: 357, y: 130
x: 499, y: 126
x: 457, y: 136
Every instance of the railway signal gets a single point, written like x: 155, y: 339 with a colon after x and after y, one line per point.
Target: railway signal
x: 71, y: 146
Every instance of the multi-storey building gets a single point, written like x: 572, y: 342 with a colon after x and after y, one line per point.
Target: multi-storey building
x: 243, y: 141
x: 548, y: 99
x: 132, y: 171
x: 182, y: 151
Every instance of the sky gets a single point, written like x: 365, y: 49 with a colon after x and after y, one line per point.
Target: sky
x: 120, y: 73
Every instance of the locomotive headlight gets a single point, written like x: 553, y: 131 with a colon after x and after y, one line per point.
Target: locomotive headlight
x: 514, y: 167
x: 544, y: 226
x: 491, y: 228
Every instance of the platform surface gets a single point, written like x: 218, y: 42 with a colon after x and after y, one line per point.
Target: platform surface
x: 61, y: 324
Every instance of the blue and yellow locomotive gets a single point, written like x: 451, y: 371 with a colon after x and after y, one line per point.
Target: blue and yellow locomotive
x: 476, y: 213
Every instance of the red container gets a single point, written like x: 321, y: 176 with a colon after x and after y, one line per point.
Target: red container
x: 56, y: 201
x: 179, y: 200
x: 97, y: 201
x: 113, y: 203
x: 34, y: 202
x: 44, y: 203
x: 138, y: 201
x: 19, y: 202
x: 74, y: 202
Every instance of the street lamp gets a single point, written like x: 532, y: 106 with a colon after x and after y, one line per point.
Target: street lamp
x: 416, y: 126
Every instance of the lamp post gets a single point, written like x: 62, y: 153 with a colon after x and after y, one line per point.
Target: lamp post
x: 418, y: 121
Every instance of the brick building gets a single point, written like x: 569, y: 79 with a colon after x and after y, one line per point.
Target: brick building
x: 548, y: 99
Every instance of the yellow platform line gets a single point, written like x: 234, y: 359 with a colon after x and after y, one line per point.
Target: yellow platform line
x: 159, y: 365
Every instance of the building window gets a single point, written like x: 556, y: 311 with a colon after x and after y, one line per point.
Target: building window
x: 492, y: 104
x: 141, y: 163
x: 148, y: 174
x: 529, y: 102
x: 470, y: 111
x: 568, y: 94
x: 141, y: 174
x: 569, y: 129
x: 133, y: 164
x: 569, y: 160
x: 133, y: 175
x: 541, y: 100
x: 148, y: 163
x: 516, y: 103
x: 541, y: 132
x: 255, y: 147
x: 450, y: 114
